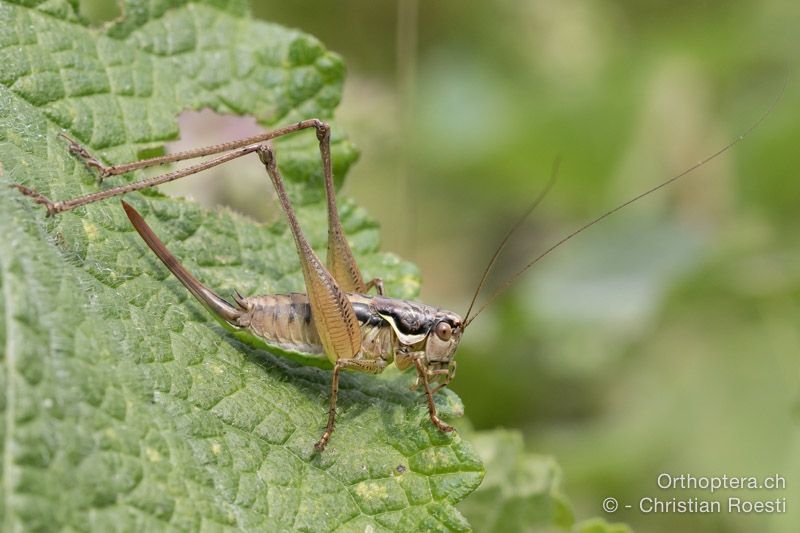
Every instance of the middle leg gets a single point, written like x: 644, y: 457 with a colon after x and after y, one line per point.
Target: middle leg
x: 375, y: 366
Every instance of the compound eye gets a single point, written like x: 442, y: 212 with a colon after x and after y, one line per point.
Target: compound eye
x: 444, y: 331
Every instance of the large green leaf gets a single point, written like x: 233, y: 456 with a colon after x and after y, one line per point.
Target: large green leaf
x: 124, y: 405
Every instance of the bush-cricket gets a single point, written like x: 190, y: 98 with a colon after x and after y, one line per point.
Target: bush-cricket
x: 335, y: 320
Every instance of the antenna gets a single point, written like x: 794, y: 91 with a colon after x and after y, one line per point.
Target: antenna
x: 536, y: 202
x: 610, y: 212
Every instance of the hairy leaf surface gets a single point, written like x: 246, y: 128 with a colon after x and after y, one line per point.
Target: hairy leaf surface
x: 124, y: 405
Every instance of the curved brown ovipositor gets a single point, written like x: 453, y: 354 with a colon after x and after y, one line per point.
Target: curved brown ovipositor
x: 204, y: 295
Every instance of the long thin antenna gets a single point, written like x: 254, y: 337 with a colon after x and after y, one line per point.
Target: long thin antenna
x: 536, y: 202
x: 406, y: 43
x: 610, y: 212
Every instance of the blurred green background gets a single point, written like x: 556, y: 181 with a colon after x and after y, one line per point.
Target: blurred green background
x: 666, y: 339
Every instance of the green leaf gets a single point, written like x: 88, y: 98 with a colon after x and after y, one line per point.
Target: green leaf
x: 522, y: 491
x: 124, y: 405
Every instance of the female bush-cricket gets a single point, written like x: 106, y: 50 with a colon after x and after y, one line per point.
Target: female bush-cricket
x: 335, y: 320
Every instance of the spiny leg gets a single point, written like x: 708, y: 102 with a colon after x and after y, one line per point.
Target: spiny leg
x: 235, y: 148
x: 115, y: 170
x: 370, y: 366
x: 340, y: 260
x: 54, y: 208
x: 422, y: 372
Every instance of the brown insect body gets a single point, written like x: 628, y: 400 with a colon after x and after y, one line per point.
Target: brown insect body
x: 392, y: 330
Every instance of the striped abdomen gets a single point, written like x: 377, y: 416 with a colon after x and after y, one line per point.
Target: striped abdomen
x: 283, y: 320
